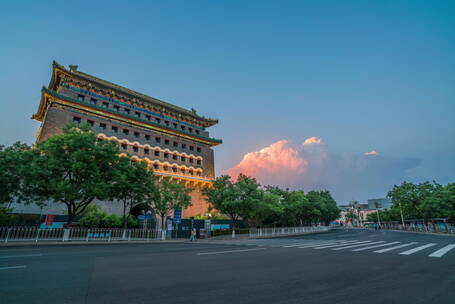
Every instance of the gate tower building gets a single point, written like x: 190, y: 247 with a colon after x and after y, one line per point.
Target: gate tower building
x: 173, y: 141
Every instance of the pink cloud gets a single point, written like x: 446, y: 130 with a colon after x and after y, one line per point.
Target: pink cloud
x: 278, y: 162
x: 312, y: 140
x: 371, y: 153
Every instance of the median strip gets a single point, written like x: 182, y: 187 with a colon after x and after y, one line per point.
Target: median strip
x: 229, y: 251
x: 13, y: 267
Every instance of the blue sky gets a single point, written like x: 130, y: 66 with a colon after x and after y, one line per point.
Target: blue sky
x: 360, y: 75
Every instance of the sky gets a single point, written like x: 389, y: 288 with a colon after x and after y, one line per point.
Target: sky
x: 348, y: 96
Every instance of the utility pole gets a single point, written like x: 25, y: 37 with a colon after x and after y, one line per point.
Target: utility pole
x: 376, y: 204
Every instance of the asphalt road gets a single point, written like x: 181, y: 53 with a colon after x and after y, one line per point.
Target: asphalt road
x: 342, y: 266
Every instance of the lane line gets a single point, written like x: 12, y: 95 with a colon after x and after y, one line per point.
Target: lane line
x: 376, y: 246
x: 414, y: 250
x: 9, y: 250
x: 229, y: 251
x: 353, y: 246
x: 351, y: 243
x: 439, y: 253
x: 327, y: 244
x: 395, y: 247
x: 13, y: 267
x: 20, y: 256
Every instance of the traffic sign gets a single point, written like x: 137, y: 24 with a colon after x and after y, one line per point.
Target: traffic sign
x: 177, y: 216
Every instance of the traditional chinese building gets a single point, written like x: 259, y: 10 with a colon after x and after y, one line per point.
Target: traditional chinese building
x: 172, y: 140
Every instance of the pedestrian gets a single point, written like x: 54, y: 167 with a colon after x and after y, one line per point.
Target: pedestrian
x: 193, y: 235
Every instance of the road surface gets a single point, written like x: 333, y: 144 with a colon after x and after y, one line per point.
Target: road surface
x: 341, y: 266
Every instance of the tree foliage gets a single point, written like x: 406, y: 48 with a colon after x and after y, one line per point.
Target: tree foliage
x: 170, y: 196
x: 73, y: 168
x: 11, y: 171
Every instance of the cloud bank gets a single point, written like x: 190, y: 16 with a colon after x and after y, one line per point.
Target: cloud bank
x: 311, y: 166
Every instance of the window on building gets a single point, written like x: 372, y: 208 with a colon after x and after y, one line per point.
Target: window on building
x: 136, y: 134
x: 183, y: 146
x: 198, y: 162
x: 166, y: 155
x: 197, y: 132
x: 91, y: 122
x: 166, y: 141
x: 124, y: 146
x: 76, y: 119
x: 157, y: 139
x: 93, y: 101
x: 174, y: 169
x: 138, y: 115
x: 114, y: 129
x: 147, y: 137
x: 190, y: 160
x: 135, y: 148
x: 165, y: 168
x: 174, y: 156
x: 198, y: 149
x: 146, y: 151
x: 174, y: 124
x: 191, y: 172
x: 190, y: 130
x: 183, y: 128
x: 147, y: 117
x: 191, y: 148
x: 116, y: 108
x: 183, y: 170
x: 176, y: 144
x: 105, y: 105
x: 183, y: 158
x: 156, y: 166
x: 127, y: 111
x: 157, y: 153
x: 80, y: 97
x: 166, y: 122
x: 199, y: 173
x: 126, y: 131
x: 158, y: 120
x: 103, y: 126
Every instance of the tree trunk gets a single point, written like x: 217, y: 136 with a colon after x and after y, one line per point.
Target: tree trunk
x: 125, y: 222
x: 70, y: 216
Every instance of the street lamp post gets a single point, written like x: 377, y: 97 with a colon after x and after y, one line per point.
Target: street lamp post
x: 401, y: 213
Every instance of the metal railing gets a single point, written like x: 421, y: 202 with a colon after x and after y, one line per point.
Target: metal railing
x: 34, y: 234
x: 283, y: 231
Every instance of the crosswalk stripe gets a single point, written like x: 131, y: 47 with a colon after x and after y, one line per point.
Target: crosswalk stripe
x: 322, y: 244
x: 303, y: 244
x: 439, y: 253
x: 376, y: 246
x: 337, y: 245
x: 353, y: 246
x: 395, y: 247
x: 414, y: 250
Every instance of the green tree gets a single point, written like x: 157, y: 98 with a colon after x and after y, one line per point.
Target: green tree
x: 11, y: 171
x: 235, y: 199
x: 132, y: 184
x: 325, y: 204
x: 170, y: 196
x: 73, y: 169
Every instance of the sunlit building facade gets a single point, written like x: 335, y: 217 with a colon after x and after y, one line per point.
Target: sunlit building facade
x: 173, y: 141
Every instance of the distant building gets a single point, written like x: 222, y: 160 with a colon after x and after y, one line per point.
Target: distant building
x: 379, y: 203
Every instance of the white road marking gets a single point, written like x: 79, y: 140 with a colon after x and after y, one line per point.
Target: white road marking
x: 229, y: 251
x: 22, y: 249
x: 19, y: 256
x: 303, y: 244
x: 346, y: 247
x: 351, y: 243
x: 395, y: 247
x: 414, y: 250
x: 439, y: 253
x: 326, y: 245
x: 376, y: 246
x: 13, y: 267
